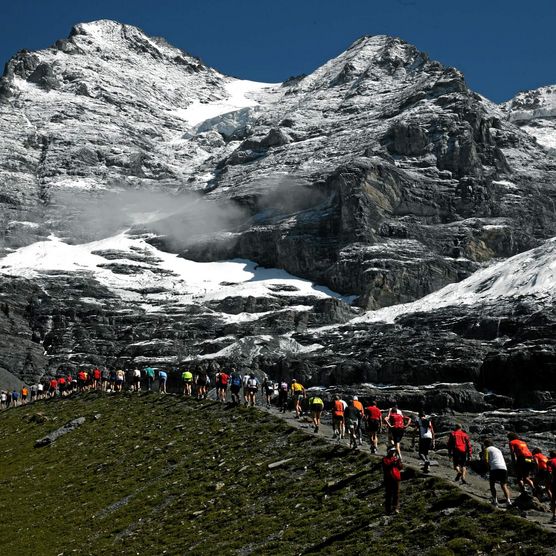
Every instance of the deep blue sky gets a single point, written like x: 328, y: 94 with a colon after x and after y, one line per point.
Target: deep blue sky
x: 502, y: 46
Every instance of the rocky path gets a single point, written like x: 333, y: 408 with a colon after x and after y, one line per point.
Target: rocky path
x: 477, y: 487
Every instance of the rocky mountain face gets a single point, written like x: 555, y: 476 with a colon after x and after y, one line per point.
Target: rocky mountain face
x: 376, y: 180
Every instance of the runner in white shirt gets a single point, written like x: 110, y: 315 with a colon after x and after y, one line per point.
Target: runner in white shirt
x: 498, y: 471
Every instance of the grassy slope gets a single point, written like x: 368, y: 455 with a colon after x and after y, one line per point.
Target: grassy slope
x: 136, y: 482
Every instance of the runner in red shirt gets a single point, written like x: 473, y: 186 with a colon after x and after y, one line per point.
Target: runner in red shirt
x: 81, y: 380
x: 62, y: 386
x: 396, y: 423
x: 551, y: 466
x: 523, y: 461
x: 52, y: 387
x: 96, y: 378
x: 222, y: 379
x: 459, y: 448
x: 373, y: 418
x: 542, y: 476
x: 391, y: 466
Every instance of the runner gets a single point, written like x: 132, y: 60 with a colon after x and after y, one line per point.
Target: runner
x: 267, y: 390
x: 542, y: 476
x: 338, y: 418
x: 373, y: 418
x: 112, y: 380
x: 24, y: 394
x: 352, y: 416
x: 40, y: 391
x: 104, y: 377
x: 252, y: 387
x: 120, y: 379
x: 522, y: 460
x: 201, y: 382
x: 149, y: 378
x: 245, y: 389
x: 81, y: 381
x: 316, y: 406
x: 15, y: 397
x: 97, y: 376
x: 298, y: 393
x: 222, y: 385
x: 3, y: 399
x: 136, y: 380
x: 70, y: 383
x: 551, y: 466
x: 396, y: 423
x: 52, y: 387
x: 187, y: 380
x: 359, y: 406
x: 62, y: 386
x: 34, y: 391
x: 425, y: 430
x: 283, y: 396
x: 162, y: 379
x: 391, y: 467
x: 459, y: 449
x: 498, y: 471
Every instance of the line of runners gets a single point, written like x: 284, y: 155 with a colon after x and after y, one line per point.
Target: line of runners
x: 534, y: 470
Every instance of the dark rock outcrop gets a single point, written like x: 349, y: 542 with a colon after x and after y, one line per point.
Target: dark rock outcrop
x: 53, y: 436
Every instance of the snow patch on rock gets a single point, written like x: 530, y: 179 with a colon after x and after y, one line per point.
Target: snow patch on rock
x: 532, y: 273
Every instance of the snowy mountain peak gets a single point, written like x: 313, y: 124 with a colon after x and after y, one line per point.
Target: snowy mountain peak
x: 535, y: 112
x: 376, y: 58
x: 107, y: 35
x: 533, y: 104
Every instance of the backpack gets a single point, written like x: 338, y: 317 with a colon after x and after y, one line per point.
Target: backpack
x: 236, y: 380
x: 284, y: 386
x: 252, y: 383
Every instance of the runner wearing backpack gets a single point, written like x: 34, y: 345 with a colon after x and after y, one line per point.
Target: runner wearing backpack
x: 459, y: 448
x: 236, y: 381
x: 391, y: 467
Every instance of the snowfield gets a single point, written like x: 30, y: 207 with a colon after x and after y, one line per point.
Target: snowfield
x: 177, y: 279
x: 239, y: 97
